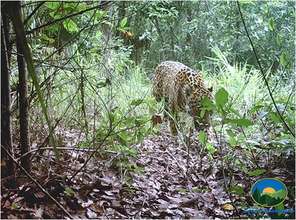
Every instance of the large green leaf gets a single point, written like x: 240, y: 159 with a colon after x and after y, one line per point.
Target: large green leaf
x: 123, y: 22
x: 70, y: 26
x: 221, y: 97
x: 271, y: 24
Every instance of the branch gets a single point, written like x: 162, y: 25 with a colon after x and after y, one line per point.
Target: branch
x: 58, y: 148
x: 33, y: 12
x: 262, y: 72
x: 38, y: 184
x: 66, y: 17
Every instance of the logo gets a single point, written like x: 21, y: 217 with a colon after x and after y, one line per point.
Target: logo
x: 269, y: 192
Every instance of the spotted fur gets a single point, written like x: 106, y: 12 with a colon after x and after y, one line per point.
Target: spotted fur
x: 182, y: 89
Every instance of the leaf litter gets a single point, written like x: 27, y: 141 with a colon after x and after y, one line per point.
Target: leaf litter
x: 173, y: 183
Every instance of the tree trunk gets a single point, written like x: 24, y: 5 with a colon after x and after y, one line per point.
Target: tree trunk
x: 16, y: 17
x: 7, y: 165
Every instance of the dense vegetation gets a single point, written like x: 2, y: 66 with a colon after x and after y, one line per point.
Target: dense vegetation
x: 78, y: 116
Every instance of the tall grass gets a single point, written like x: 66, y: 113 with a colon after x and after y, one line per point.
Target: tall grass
x: 243, y: 83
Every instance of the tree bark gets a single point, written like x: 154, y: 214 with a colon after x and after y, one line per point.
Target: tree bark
x: 16, y: 17
x: 7, y: 165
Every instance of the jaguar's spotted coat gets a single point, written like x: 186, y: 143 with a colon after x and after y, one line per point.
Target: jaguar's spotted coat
x: 182, y: 88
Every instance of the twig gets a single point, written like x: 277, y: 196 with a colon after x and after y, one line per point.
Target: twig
x: 109, y: 133
x: 33, y: 12
x: 66, y: 17
x: 286, y: 105
x: 219, y: 139
x: 262, y: 72
x: 58, y: 148
x: 38, y: 184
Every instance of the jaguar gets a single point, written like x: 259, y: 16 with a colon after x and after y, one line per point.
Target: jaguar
x: 183, y: 90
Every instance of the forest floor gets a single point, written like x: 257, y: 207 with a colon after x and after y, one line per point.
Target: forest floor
x: 167, y: 181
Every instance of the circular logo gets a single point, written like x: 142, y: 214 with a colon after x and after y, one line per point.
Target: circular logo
x: 269, y: 192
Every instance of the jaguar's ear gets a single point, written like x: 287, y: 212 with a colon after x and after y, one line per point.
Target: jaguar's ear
x: 210, y: 89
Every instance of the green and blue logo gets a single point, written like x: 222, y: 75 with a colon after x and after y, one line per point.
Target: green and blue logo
x: 269, y: 192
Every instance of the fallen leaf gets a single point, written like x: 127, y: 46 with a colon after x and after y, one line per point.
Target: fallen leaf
x: 228, y: 207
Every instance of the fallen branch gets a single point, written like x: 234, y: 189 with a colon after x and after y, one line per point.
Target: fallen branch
x: 58, y: 148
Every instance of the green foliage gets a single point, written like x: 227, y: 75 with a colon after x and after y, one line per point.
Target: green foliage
x: 105, y: 80
x: 241, y: 122
x: 257, y: 172
x: 70, y: 26
x: 202, y: 137
x: 123, y: 23
x: 221, y: 98
x: 238, y: 190
x: 210, y: 148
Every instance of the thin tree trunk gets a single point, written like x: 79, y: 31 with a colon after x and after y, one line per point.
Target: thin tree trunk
x: 16, y: 17
x: 82, y: 93
x: 7, y: 165
x: 23, y: 107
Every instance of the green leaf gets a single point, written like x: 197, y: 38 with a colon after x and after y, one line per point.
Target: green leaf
x: 202, y: 137
x: 210, y: 148
x: 14, y: 206
x: 271, y: 24
x: 100, y: 14
x: 221, y: 97
x: 69, y: 192
x: 101, y: 84
x: 112, y: 117
x: 274, y: 117
x: 123, y: 22
x: 53, y: 5
x: 70, y: 26
x: 82, y: 6
x: 283, y: 59
x: 242, y: 122
x: 238, y: 190
x: 256, y: 172
x: 123, y: 138
x: 207, y: 104
x: 137, y: 102
x: 55, y: 15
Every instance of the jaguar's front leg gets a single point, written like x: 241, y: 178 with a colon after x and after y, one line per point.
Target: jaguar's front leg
x: 166, y: 108
x: 173, y: 117
x: 195, y: 113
